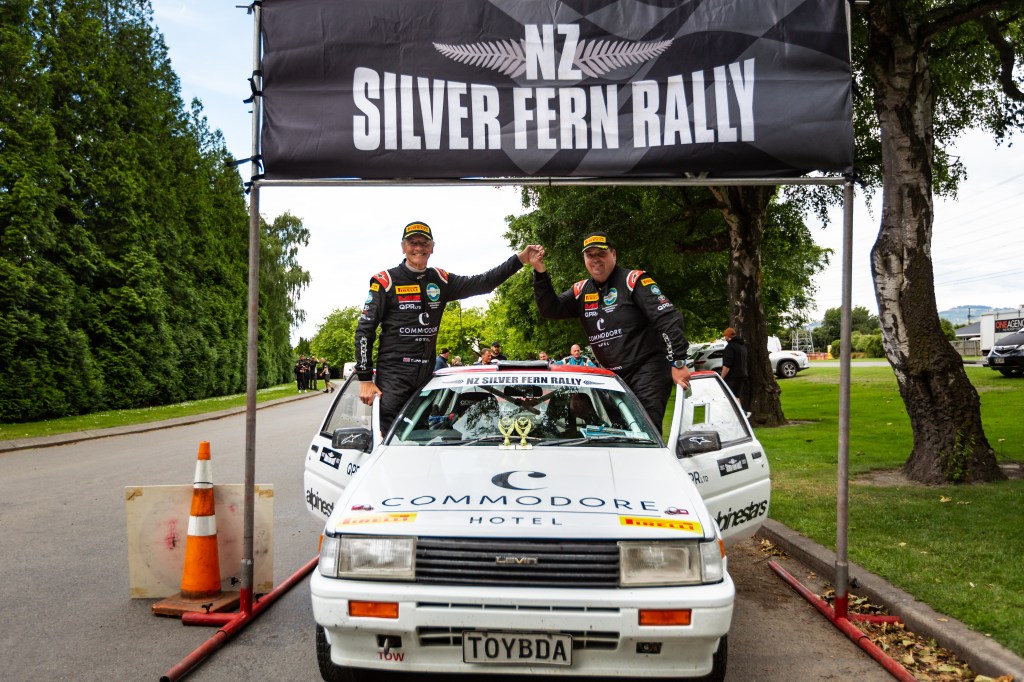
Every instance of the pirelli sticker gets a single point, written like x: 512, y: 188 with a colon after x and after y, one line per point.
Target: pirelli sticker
x: 674, y: 524
x: 587, y: 298
x: 377, y: 518
x: 374, y: 286
x: 408, y: 289
x: 646, y: 281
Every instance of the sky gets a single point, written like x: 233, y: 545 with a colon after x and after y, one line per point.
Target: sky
x: 977, y: 248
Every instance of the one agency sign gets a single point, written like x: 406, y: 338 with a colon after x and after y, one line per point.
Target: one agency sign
x: 573, y: 88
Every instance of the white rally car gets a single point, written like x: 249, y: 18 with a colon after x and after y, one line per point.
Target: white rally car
x: 522, y: 519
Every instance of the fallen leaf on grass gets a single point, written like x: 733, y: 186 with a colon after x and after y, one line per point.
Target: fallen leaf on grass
x: 943, y: 498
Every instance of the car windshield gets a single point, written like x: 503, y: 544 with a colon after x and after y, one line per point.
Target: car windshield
x: 534, y: 409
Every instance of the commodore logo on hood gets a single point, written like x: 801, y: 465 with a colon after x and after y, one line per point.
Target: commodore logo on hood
x: 504, y: 480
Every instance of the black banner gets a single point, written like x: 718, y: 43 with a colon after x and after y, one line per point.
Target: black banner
x: 580, y: 88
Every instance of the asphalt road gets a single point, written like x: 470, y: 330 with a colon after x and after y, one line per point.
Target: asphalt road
x: 65, y: 589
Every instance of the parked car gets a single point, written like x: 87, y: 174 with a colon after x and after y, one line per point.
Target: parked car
x: 1007, y: 356
x: 531, y: 519
x: 785, y: 363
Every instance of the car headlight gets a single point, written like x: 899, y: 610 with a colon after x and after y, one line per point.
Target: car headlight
x: 670, y: 563
x: 368, y: 557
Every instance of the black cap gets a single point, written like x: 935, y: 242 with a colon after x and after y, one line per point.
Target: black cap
x: 443, y: 351
x: 417, y: 227
x: 496, y: 343
x: 596, y: 240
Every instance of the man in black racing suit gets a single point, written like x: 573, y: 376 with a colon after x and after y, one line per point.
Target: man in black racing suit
x: 632, y: 327
x: 407, y: 302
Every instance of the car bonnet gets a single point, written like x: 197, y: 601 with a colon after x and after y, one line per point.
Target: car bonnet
x: 549, y: 492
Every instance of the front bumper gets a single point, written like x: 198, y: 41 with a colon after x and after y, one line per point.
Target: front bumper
x: 603, y: 623
x: 1005, y: 361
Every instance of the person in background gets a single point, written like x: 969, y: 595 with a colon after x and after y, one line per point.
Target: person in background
x: 734, y: 365
x: 633, y: 329
x: 485, y: 357
x: 441, y: 361
x: 457, y: 361
x: 325, y: 372
x: 311, y: 372
x: 300, y: 370
x: 543, y: 355
x: 496, y: 353
x: 576, y: 357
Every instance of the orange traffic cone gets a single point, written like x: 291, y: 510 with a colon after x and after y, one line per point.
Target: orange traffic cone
x: 200, y: 579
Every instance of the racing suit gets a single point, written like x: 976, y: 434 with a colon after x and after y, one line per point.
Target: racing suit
x: 632, y: 328
x: 407, y: 306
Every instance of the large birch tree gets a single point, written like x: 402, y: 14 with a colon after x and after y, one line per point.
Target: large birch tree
x: 932, y: 68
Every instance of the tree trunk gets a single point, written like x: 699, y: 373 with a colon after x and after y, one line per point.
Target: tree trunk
x: 744, y: 210
x: 944, y: 409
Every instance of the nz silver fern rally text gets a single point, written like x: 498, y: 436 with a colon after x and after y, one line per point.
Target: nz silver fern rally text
x: 399, y: 111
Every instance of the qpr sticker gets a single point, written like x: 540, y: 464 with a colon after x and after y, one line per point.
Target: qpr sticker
x: 611, y: 296
x: 433, y: 292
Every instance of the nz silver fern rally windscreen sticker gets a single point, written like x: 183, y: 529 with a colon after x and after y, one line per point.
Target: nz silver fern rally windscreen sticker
x: 584, y: 88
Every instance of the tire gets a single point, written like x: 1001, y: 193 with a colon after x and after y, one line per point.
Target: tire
x: 719, y: 661
x: 336, y: 673
x: 1010, y: 372
x: 787, y: 369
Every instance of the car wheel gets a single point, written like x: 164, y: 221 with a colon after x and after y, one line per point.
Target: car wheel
x: 719, y: 661
x: 787, y: 369
x: 1010, y: 372
x: 335, y: 673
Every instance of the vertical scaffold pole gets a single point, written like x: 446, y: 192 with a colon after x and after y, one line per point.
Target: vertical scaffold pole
x: 843, y: 490
x: 251, y: 367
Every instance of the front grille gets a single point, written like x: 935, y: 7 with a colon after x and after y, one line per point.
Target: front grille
x: 532, y: 563
x: 581, y: 639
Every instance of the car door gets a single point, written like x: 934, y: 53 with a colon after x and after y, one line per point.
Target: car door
x: 328, y: 469
x: 718, y: 449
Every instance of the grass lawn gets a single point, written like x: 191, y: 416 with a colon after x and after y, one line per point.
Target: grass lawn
x: 111, y: 418
x: 956, y: 547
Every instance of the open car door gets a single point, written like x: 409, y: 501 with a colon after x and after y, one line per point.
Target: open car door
x: 715, y: 444
x: 349, y: 432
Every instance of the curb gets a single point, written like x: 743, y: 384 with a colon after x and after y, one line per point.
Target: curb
x: 983, y: 654
x: 16, y: 444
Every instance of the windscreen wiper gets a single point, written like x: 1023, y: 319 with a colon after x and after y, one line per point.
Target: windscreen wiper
x: 601, y: 439
x: 487, y: 439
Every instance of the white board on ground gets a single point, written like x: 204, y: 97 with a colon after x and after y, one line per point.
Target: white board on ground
x: 157, y: 524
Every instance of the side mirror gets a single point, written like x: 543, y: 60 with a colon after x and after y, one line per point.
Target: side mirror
x: 352, y: 438
x: 695, y: 442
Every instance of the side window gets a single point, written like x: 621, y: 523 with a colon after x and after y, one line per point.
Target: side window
x: 709, y: 408
x: 348, y: 410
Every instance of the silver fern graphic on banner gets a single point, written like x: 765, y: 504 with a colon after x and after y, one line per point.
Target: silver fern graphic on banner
x: 594, y: 58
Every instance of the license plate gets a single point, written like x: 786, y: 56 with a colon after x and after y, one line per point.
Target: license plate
x: 997, y: 361
x: 511, y: 648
